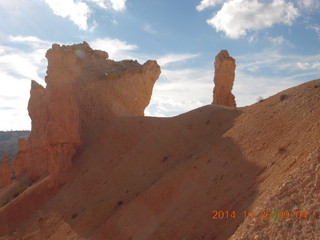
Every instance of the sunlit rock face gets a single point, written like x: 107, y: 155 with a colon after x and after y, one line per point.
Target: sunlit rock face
x: 224, y: 73
x: 83, y: 85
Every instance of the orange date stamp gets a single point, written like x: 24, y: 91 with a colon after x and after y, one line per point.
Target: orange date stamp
x: 274, y: 215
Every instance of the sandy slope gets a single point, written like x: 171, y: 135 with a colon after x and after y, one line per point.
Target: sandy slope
x: 161, y: 178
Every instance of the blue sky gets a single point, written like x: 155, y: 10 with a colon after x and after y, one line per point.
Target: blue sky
x: 275, y: 44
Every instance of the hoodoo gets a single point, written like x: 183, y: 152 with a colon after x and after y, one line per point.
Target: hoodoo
x: 5, y: 171
x: 224, y: 72
x: 83, y: 85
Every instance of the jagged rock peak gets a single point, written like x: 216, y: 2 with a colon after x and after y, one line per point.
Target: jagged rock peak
x: 35, y: 85
x: 224, y: 67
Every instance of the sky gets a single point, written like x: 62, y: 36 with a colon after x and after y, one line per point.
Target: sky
x: 275, y: 44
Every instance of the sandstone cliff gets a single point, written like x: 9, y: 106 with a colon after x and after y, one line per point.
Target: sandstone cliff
x: 83, y: 85
x: 224, y: 73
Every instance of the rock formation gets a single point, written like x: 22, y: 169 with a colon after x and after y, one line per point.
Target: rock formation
x: 20, y: 160
x: 194, y: 176
x: 5, y: 171
x: 224, y: 72
x: 9, y: 144
x: 83, y: 85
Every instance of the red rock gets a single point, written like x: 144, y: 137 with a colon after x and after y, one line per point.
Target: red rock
x: 83, y: 85
x: 22, y: 142
x: 19, y: 163
x: 31, y: 158
x: 38, y: 114
x: 5, y: 171
x: 224, y: 74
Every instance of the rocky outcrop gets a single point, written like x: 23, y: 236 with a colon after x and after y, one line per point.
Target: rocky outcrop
x: 83, y: 85
x: 224, y: 74
x: 5, y: 171
x: 21, y: 163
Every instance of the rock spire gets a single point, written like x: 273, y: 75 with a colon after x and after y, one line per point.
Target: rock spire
x: 224, y: 74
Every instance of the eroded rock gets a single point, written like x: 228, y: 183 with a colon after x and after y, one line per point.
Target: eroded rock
x: 83, y: 85
x: 5, y: 171
x: 224, y: 74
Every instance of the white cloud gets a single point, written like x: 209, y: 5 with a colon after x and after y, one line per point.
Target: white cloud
x: 208, y: 3
x: 309, y: 5
x: 316, y: 28
x: 253, y: 38
x: 305, y: 3
x: 33, y: 41
x: 13, y: 5
x: 14, y: 94
x: 276, y: 40
x: 171, y: 58
x: 116, y: 48
x: 179, y: 91
x: 237, y: 17
x: 18, y: 63
x: 101, y: 3
x: 94, y: 26
x: 170, y: 108
x: 117, y: 5
x: 149, y: 29
x: 24, y: 63
x: 78, y: 12
x: 309, y: 65
x: 267, y: 72
x: 276, y: 63
x: 18, y: 67
x: 247, y: 88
